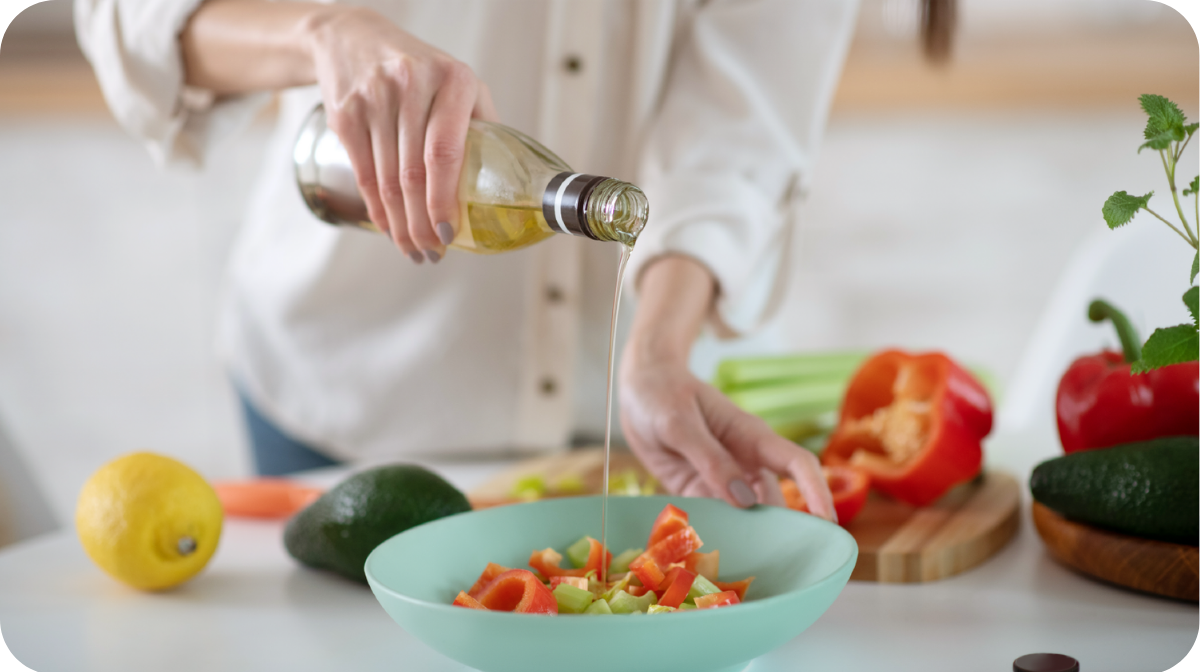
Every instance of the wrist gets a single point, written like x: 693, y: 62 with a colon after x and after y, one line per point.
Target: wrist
x: 675, y: 297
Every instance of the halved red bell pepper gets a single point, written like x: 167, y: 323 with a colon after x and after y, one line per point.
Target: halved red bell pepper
x: 849, y: 486
x: 1101, y: 403
x: 518, y: 590
x: 670, y: 520
x: 914, y: 423
x: 722, y: 599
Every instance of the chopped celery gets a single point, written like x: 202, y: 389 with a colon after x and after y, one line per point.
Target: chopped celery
x: 624, y: 603
x: 659, y: 609
x: 598, y: 607
x: 621, y: 562
x: 617, y: 587
x: 686, y: 605
x: 578, y: 552
x: 529, y: 488
x: 624, y: 483
x: 569, y: 484
x: 650, y: 487
x: 701, y: 586
x: 572, y: 600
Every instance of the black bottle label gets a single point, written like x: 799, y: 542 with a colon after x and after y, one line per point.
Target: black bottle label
x: 565, y: 201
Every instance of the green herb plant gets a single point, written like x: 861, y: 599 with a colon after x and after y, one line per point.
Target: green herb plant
x: 1168, y: 133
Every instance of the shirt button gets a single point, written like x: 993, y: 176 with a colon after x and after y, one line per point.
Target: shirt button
x: 573, y: 64
x: 548, y: 386
x: 554, y: 294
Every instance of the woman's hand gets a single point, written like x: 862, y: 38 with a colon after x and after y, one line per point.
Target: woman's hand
x: 689, y: 435
x: 400, y: 106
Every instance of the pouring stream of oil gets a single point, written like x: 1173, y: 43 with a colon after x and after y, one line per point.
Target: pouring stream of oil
x: 608, y: 396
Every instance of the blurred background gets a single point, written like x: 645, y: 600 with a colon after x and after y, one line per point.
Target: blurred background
x: 949, y: 203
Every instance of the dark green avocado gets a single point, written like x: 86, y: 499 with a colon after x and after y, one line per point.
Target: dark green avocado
x: 338, y: 531
x: 1146, y: 489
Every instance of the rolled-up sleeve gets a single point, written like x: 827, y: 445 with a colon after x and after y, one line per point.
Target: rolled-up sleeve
x: 133, y: 46
x: 732, y: 145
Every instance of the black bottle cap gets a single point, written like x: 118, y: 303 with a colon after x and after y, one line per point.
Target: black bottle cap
x: 564, y: 203
x: 1045, y: 662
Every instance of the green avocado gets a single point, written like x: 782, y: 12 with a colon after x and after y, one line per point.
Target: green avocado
x: 338, y: 531
x: 1146, y: 489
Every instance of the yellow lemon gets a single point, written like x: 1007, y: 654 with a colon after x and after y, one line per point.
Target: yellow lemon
x: 148, y: 520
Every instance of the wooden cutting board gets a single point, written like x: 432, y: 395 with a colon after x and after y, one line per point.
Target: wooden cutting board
x: 897, y: 543
x: 1148, y: 565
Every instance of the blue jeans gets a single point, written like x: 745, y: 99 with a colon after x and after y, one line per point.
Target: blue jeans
x: 276, y: 453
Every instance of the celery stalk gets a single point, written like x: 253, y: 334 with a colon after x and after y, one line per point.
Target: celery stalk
x: 792, y: 396
x: 578, y: 552
x: 598, y: 607
x: 744, y: 372
x: 572, y: 600
x: 621, y: 562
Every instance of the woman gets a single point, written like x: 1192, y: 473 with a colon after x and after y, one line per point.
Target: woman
x: 344, y: 352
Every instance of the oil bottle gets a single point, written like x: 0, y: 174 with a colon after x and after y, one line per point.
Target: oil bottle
x: 512, y: 191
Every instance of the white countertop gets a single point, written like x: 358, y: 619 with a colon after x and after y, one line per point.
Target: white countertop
x: 254, y: 608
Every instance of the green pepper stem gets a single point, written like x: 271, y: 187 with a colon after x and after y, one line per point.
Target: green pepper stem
x: 1101, y: 310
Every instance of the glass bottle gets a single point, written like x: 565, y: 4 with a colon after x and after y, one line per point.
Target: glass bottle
x: 512, y: 191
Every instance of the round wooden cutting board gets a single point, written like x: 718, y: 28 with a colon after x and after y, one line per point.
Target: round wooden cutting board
x: 1148, y: 565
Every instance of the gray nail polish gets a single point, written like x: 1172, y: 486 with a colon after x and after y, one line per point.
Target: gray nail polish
x: 433, y: 256
x: 416, y: 256
x: 742, y: 493
x: 445, y: 232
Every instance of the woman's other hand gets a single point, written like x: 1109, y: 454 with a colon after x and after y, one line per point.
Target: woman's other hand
x: 689, y: 435
x: 400, y: 106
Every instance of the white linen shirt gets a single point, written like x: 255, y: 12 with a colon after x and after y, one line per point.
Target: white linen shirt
x: 714, y: 108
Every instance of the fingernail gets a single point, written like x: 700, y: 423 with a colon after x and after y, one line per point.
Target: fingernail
x: 741, y: 492
x: 445, y: 232
x: 416, y: 256
x: 433, y: 256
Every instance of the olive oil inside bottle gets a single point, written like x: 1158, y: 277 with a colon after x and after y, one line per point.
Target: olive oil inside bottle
x: 491, y: 228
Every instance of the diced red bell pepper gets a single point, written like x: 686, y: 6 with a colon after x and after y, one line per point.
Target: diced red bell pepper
x: 724, y: 598
x: 1101, y: 403
x: 647, y: 571
x: 577, y: 581
x: 465, y: 600
x: 669, y: 521
x: 914, y: 423
x: 704, y: 564
x: 849, y: 486
x: 489, y: 574
x: 636, y: 591
x: 593, y: 559
x: 674, y: 547
x: 519, y: 591
x: 738, y: 587
x: 679, y: 585
x: 546, y: 562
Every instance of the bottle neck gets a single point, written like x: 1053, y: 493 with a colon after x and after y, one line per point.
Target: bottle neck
x: 595, y: 207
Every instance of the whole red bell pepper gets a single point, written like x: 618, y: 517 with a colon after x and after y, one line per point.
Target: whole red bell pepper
x: 913, y: 423
x: 1101, y: 403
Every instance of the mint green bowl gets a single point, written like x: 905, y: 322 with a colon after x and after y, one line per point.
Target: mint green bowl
x: 801, y: 564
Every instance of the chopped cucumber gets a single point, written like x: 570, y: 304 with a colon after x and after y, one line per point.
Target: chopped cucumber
x: 572, y: 600
x: 578, y: 552
x: 621, y: 562
x: 701, y: 586
x: 598, y: 607
x: 624, y: 603
x: 659, y: 609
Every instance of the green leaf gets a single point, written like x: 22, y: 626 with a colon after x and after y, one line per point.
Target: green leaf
x: 1189, y: 300
x: 1165, y: 124
x: 1195, y: 266
x: 1193, y: 187
x: 1121, y: 207
x: 1191, y: 128
x: 1171, y: 345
